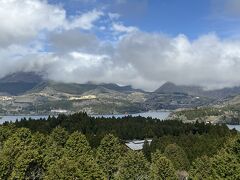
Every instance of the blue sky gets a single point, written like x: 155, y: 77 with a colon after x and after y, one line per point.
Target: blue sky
x: 142, y: 43
x: 190, y: 17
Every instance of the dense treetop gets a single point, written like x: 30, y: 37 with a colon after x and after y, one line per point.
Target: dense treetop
x: 82, y: 147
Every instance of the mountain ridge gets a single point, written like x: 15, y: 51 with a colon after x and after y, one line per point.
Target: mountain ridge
x: 27, y: 77
x: 21, y: 82
x: 170, y: 87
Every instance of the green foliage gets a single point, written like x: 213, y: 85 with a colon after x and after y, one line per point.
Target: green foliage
x: 201, y: 169
x: 133, y: 166
x: 124, y: 128
x: 12, y: 149
x: 200, y: 112
x: 77, y: 149
x: 178, y: 157
x: 54, y: 146
x: 64, y: 152
x: 161, y: 168
x: 64, y: 169
x: 51, y: 154
x: 224, y: 165
x: 194, y: 145
x: 233, y: 147
x: 28, y: 166
x: 108, y: 155
x: 77, y: 146
x: 147, y: 150
x: 59, y: 136
x: 5, y: 132
x: 227, y: 162
x: 21, y: 157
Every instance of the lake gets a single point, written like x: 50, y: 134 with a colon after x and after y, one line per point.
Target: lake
x: 14, y: 118
x: 154, y: 114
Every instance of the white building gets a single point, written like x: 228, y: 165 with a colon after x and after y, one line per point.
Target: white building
x: 137, y: 145
x: 59, y: 111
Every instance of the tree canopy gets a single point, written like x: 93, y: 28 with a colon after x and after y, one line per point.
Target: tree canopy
x: 69, y: 149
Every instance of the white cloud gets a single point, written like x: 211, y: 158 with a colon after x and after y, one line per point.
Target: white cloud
x: 141, y: 59
x: 206, y: 61
x: 120, y: 28
x: 80, y: 67
x: 114, y: 16
x: 85, y: 21
x: 144, y: 60
x: 23, y: 20
x: 88, y: 60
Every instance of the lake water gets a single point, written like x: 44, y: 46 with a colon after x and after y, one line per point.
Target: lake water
x: 14, y: 118
x: 154, y: 114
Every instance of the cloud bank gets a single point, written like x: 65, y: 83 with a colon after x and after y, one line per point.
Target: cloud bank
x: 40, y: 37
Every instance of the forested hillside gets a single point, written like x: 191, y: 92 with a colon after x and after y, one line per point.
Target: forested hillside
x: 83, y: 147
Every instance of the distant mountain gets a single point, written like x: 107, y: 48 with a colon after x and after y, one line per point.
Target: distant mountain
x: 74, y: 88
x: 27, y: 82
x: 223, y: 93
x: 20, y: 83
x: 171, y: 88
x: 26, y: 77
x: 33, y: 89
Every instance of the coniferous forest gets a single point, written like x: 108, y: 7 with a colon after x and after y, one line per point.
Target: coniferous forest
x: 82, y: 147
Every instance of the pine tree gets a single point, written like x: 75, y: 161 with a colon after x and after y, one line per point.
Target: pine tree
x: 133, y: 166
x: 29, y: 165
x: 146, y: 150
x: 58, y: 136
x: 66, y: 168
x: 78, y: 149
x: 62, y: 169
x: 177, y: 156
x: 201, y: 169
x: 108, y: 155
x: 225, y: 166
x: 161, y: 168
x: 13, y: 147
x: 77, y: 146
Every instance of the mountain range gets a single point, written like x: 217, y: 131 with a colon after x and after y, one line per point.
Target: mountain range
x: 30, y: 92
x: 169, y: 87
x: 20, y: 83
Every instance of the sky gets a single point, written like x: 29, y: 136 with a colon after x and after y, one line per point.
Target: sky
x: 143, y: 43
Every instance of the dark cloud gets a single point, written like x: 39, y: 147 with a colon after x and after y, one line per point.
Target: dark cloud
x: 73, y: 40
